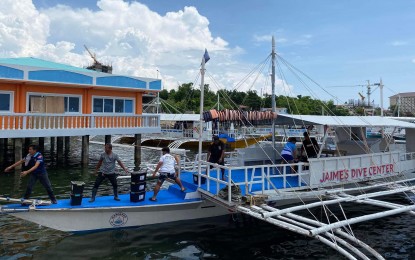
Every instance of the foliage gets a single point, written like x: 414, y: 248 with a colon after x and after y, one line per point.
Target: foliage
x: 187, y: 98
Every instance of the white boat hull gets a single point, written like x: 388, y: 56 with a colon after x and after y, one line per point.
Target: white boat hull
x: 75, y: 220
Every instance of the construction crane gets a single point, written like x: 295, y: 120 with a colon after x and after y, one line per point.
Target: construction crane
x: 362, y: 97
x: 93, y: 56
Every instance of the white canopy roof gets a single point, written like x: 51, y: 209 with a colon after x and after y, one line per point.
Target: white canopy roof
x: 177, y: 117
x: 341, y: 121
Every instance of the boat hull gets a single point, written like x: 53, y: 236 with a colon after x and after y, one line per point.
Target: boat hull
x: 93, y: 219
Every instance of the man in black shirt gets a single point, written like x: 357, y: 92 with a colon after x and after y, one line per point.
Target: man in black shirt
x: 310, y: 146
x: 216, y: 153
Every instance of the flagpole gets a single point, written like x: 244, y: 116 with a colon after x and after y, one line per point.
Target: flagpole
x: 202, y: 90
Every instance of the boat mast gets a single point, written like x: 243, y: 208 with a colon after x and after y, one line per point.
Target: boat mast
x: 202, y: 90
x: 273, y: 98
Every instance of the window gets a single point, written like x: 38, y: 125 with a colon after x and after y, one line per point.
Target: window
x: 5, y: 102
x: 112, y: 105
x: 72, y: 104
x: 53, y: 103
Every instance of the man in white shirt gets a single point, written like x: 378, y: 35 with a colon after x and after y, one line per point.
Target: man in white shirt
x: 166, y: 168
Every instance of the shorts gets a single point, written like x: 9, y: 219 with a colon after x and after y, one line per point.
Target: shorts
x: 287, y: 157
x: 164, y: 175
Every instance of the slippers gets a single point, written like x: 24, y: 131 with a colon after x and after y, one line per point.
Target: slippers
x: 151, y: 199
x: 183, y: 190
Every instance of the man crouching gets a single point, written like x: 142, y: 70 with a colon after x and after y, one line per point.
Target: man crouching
x: 166, y: 168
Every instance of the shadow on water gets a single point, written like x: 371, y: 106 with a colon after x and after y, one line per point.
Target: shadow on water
x: 226, y: 237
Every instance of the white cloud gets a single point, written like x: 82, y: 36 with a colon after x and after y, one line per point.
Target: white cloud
x: 134, y: 39
x: 268, y: 37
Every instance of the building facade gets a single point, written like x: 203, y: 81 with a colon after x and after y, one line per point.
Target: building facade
x: 405, y: 102
x: 40, y: 98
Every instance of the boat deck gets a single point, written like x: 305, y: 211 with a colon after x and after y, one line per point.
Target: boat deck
x: 172, y: 195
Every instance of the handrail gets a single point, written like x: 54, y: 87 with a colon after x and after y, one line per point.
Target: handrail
x: 29, y: 121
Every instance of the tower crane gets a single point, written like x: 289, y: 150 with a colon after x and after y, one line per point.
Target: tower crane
x: 93, y: 56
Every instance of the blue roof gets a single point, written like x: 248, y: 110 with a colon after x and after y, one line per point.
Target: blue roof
x: 35, y: 62
x: 42, y: 70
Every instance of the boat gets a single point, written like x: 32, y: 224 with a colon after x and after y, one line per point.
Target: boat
x: 358, y: 170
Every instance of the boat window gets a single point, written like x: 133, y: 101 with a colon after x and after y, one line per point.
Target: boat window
x: 5, y: 102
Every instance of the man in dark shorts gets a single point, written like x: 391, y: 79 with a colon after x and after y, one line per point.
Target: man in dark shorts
x: 310, y: 147
x: 166, y: 168
x: 216, y: 154
x: 106, y: 165
x: 35, y: 166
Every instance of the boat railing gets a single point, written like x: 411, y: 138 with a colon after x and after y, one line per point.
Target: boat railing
x: 261, y: 175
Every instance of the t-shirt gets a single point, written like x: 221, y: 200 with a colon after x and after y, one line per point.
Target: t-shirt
x: 311, y: 147
x: 289, y: 148
x: 37, y: 157
x: 108, y: 162
x: 168, y: 161
x: 216, y: 151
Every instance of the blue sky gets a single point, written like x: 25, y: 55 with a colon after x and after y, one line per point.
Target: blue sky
x: 336, y: 43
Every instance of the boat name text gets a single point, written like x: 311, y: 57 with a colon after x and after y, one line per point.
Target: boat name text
x: 358, y: 173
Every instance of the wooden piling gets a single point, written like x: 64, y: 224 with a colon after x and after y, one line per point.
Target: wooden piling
x: 41, y: 143
x: 67, y: 144
x: 107, y: 139
x: 137, y: 151
x: 18, y: 151
x: 3, y: 148
x: 85, y: 150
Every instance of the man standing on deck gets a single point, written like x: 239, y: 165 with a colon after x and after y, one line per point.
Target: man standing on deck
x: 310, y: 146
x: 35, y: 166
x: 106, y: 166
x: 166, y: 168
x: 216, y: 154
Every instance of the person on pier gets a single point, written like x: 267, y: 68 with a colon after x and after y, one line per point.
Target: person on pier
x: 166, y: 168
x: 35, y: 166
x: 106, y: 167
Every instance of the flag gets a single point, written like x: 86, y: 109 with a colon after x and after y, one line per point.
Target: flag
x: 206, y: 56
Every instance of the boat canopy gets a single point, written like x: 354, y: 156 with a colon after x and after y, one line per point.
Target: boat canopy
x: 177, y: 117
x: 341, y: 121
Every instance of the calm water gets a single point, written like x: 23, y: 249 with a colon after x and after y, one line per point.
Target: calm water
x: 227, y: 237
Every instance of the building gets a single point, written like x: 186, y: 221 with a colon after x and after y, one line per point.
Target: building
x: 39, y: 98
x: 405, y: 102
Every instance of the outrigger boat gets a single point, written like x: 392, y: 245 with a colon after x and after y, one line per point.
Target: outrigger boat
x: 359, y: 171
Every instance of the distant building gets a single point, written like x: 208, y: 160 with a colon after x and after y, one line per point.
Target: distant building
x: 405, y: 101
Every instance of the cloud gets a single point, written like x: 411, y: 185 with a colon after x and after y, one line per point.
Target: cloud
x: 127, y: 34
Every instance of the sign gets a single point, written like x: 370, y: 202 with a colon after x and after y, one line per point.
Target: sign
x: 118, y: 219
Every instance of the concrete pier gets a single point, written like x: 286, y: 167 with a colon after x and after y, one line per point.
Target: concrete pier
x: 137, y: 151
x: 85, y: 150
x: 18, y: 151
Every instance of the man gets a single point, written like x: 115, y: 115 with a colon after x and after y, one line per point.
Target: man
x: 216, y: 154
x: 166, y: 168
x: 310, y: 146
x: 106, y: 166
x: 36, y: 168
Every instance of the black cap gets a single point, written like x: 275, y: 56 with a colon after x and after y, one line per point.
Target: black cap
x: 165, y: 149
x: 305, y: 134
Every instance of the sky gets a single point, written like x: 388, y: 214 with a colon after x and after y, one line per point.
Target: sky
x: 333, y: 47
